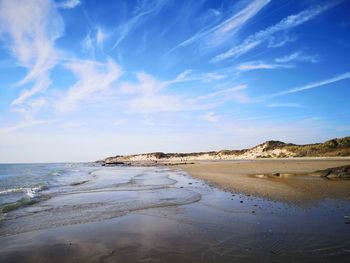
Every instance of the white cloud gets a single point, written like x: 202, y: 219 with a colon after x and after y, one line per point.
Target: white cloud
x: 210, y: 117
x: 255, y: 65
x: 142, y: 11
x: 298, y: 56
x: 188, y: 75
x: 93, y: 78
x: 157, y: 103
x: 22, y: 125
x: 222, y: 92
x: 310, y: 86
x: 284, y: 105
x: 88, y: 43
x: 215, y: 12
x: 149, y: 95
x: 280, y: 41
x: 262, y: 36
x: 183, y: 76
x: 29, y: 110
x: 216, y: 98
x: 30, y: 29
x: 100, y: 36
x: 217, y: 34
x: 69, y: 4
x: 213, y: 76
x: 241, y: 17
x: 280, y: 62
x: 94, y: 39
x: 41, y: 84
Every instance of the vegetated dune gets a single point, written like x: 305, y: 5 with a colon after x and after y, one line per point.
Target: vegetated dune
x: 339, y: 147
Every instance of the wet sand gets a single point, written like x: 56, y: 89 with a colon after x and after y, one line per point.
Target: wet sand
x: 154, y: 214
x: 296, y: 181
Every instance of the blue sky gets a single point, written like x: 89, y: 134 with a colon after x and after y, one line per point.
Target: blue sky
x: 84, y: 79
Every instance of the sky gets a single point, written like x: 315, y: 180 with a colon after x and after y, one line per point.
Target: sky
x: 85, y: 79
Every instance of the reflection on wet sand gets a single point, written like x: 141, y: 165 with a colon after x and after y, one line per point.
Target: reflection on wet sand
x: 130, y: 214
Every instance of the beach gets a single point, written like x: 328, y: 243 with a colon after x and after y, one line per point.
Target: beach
x: 90, y: 213
x: 291, y: 180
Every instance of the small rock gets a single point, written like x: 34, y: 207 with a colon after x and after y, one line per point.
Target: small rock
x: 241, y: 201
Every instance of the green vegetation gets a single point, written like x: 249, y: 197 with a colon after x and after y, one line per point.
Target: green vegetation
x: 334, y: 147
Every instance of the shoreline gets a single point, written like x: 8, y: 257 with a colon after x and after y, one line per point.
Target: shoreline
x: 295, y: 182
x: 159, y: 213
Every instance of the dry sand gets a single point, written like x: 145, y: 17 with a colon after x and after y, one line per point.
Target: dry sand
x: 294, y: 184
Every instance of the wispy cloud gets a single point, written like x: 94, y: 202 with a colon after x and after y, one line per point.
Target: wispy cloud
x: 262, y: 36
x: 213, y: 76
x: 28, y: 114
x: 280, y: 41
x: 284, y: 105
x: 149, y: 94
x: 94, y: 40
x: 183, y: 76
x: 22, y: 125
x: 219, y: 97
x: 41, y: 83
x: 69, y: 4
x: 217, y: 34
x: 298, y: 56
x: 255, y: 65
x: 142, y: 10
x: 310, y: 86
x: 31, y: 108
x: 210, y: 117
x: 93, y: 78
x: 227, y: 91
x: 31, y: 29
x: 101, y: 36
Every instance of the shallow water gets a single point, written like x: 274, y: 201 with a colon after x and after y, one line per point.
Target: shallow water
x: 153, y: 214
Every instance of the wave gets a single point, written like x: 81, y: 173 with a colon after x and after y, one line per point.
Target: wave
x: 29, y: 191
x: 22, y: 202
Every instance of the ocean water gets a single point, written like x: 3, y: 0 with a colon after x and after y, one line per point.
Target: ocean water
x: 25, y: 183
x: 88, y: 213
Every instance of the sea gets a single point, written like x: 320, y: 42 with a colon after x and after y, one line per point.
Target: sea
x: 21, y: 184
x: 85, y: 212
